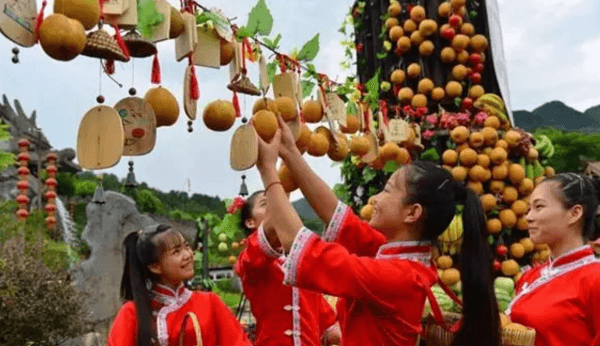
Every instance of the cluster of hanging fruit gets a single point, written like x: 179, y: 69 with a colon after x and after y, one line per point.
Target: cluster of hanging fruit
x: 23, y: 183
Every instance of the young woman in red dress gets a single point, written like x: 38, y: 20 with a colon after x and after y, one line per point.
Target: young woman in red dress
x: 158, y: 261
x: 284, y: 315
x: 561, y: 298
x: 382, y: 271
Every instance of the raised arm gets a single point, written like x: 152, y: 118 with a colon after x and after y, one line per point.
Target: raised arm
x: 282, y: 216
x: 320, y: 197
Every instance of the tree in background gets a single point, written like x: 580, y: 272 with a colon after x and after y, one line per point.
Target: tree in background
x: 570, y: 148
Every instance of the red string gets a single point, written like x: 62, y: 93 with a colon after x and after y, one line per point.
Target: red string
x: 38, y: 21
x: 155, y: 77
x: 244, y: 43
x: 102, y: 8
x: 384, y: 111
x: 120, y: 41
x: 109, y: 66
x: 194, y: 87
x: 282, y: 66
x: 366, y: 122
x: 236, y: 104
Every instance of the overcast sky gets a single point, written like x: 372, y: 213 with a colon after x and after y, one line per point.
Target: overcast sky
x: 551, y: 48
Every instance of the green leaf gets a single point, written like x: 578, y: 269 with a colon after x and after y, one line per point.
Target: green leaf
x: 430, y: 155
x: 372, y: 85
x: 369, y: 174
x: 352, y: 108
x: 307, y: 88
x: 274, y: 44
x: 390, y: 167
x: 148, y: 18
x: 309, y: 51
x: 271, y: 70
x: 382, y: 55
x: 260, y: 20
x: 244, y: 32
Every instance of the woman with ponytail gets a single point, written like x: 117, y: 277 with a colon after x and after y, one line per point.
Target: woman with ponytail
x: 159, y: 308
x: 560, y: 299
x: 382, y: 270
x: 285, y: 316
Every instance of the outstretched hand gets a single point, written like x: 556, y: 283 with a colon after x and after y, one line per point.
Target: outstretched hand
x: 268, y: 152
x: 288, y: 142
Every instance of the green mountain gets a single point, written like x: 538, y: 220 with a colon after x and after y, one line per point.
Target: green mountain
x: 560, y: 116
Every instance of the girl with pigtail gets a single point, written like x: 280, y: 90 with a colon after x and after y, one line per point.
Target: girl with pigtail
x: 382, y: 270
x: 560, y: 299
x: 160, y: 310
x: 284, y: 315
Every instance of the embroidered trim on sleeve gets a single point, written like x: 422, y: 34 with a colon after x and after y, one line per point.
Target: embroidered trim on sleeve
x: 293, y: 259
x: 264, y: 244
x: 333, y: 229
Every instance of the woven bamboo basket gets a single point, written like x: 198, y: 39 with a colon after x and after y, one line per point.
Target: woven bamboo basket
x: 436, y: 335
x: 138, y: 46
x: 101, y: 45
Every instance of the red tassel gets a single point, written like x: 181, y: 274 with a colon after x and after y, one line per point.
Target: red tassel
x: 109, y: 66
x: 302, y: 117
x: 120, y: 41
x: 156, y: 78
x: 194, y: 88
x: 38, y: 21
x: 236, y: 105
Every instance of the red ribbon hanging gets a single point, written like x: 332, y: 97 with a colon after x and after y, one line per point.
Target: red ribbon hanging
x: 102, y: 8
x: 236, y: 104
x: 384, y: 111
x: 38, y: 21
x: 244, y: 44
x: 155, y: 77
x: 120, y: 41
x: 194, y: 87
x: 109, y: 66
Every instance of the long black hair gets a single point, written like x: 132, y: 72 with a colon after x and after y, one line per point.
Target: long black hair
x: 576, y: 189
x: 141, y: 249
x: 247, y: 211
x: 434, y: 189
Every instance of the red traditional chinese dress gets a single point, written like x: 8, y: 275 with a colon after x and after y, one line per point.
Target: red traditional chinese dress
x: 561, y: 300
x: 218, y: 325
x: 382, y: 287
x: 284, y: 315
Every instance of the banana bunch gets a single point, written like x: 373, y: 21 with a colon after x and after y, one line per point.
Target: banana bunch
x: 544, y: 146
x: 492, y: 104
x: 451, y: 239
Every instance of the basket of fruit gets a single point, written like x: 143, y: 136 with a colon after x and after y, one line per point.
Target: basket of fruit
x: 513, y: 334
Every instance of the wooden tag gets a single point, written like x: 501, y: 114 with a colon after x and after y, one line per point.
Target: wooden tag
x: 139, y: 125
x: 235, y: 66
x: 418, y: 140
x: 285, y: 84
x: 264, y: 74
x: 115, y: 7
x: 208, y: 49
x: 100, y: 138
x: 190, y: 106
x: 244, y: 148
x: 383, y: 128
x: 161, y: 32
x: 296, y: 126
x: 222, y: 25
x: 186, y: 42
x: 17, y: 21
x: 398, y: 130
x: 373, y: 150
x: 127, y: 19
x: 337, y: 108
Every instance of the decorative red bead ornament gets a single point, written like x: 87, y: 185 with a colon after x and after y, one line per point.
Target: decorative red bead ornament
x: 51, y: 185
x: 23, y: 183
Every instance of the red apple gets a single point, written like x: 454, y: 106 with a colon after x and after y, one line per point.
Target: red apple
x: 455, y: 20
x: 469, y: 71
x: 448, y: 33
x: 501, y: 250
x: 467, y: 103
x: 478, y: 68
x: 476, y: 78
x: 475, y: 59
